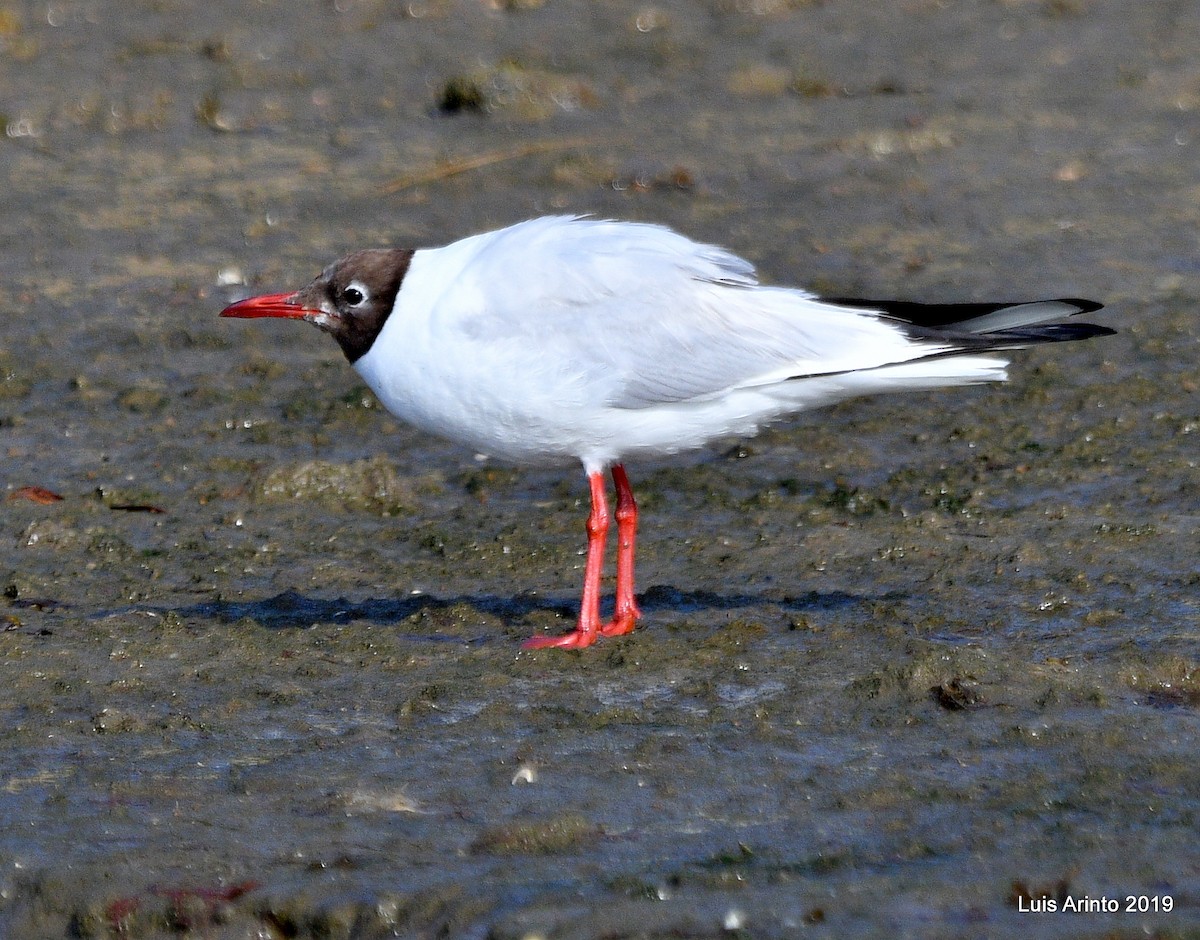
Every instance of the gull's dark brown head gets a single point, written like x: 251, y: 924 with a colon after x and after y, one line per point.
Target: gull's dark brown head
x: 351, y: 300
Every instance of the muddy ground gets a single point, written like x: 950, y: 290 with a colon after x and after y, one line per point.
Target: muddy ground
x: 909, y: 667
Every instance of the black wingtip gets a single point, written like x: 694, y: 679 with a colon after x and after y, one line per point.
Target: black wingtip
x: 1085, y: 306
x: 955, y: 315
x: 1054, y: 333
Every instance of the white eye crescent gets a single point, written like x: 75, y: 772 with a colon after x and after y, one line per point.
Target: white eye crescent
x: 354, y: 294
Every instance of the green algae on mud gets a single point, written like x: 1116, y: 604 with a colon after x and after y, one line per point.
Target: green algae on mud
x: 362, y: 484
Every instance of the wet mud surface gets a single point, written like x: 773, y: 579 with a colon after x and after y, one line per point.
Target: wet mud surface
x: 908, y: 667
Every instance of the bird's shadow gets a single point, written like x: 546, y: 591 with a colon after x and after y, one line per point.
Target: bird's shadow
x: 293, y: 610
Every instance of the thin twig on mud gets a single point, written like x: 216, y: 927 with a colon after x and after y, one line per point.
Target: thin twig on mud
x: 454, y: 167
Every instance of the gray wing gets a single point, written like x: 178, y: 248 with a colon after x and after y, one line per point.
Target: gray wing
x: 640, y: 315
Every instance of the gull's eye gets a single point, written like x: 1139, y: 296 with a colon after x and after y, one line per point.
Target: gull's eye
x: 353, y: 296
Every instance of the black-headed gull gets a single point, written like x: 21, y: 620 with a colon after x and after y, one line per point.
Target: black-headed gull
x: 599, y: 341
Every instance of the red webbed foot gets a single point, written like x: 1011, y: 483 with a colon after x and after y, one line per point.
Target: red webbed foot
x: 575, y: 640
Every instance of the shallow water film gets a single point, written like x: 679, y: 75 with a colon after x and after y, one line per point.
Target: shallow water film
x: 920, y: 666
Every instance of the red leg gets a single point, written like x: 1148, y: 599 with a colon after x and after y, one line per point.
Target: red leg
x: 626, y: 614
x: 588, y: 628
